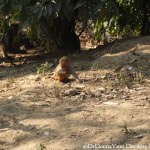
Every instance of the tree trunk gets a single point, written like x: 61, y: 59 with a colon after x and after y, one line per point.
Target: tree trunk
x: 64, y: 31
x: 145, y: 30
x: 71, y: 41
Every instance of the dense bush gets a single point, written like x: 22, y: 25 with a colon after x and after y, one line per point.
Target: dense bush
x: 52, y: 22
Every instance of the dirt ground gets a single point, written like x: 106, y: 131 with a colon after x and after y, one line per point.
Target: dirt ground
x: 102, y: 112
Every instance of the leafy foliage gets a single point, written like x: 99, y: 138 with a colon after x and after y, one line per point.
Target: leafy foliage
x: 53, y: 20
x: 129, y: 76
x: 44, y: 68
x: 50, y: 17
x: 41, y: 147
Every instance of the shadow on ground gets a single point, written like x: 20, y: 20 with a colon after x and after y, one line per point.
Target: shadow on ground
x: 30, y: 119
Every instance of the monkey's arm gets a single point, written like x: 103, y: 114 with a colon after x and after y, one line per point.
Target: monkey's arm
x: 61, y: 72
x: 75, y: 76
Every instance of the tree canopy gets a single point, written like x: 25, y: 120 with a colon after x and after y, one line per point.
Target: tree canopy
x: 53, y: 21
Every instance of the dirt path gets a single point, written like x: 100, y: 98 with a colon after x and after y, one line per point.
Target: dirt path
x: 36, y: 111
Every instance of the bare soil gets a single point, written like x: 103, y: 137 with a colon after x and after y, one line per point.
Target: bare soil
x: 36, y: 111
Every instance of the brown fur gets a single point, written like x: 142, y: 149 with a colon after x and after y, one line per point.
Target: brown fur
x: 64, y: 70
x: 3, y: 50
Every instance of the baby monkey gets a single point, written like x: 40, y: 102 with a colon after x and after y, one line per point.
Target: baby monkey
x: 64, y: 70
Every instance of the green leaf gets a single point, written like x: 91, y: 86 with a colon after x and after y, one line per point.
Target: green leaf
x: 40, y: 13
x: 25, y: 19
x: 67, y: 1
x: 24, y: 23
x: 97, y: 8
x: 79, y: 4
x: 58, y: 6
x: 3, y: 3
x: 53, y: 1
x: 35, y: 9
x: 44, y: 26
x: 49, y: 10
x: 20, y: 4
x: 45, y: 12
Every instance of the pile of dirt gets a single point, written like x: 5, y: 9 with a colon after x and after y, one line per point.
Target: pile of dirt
x: 134, y: 53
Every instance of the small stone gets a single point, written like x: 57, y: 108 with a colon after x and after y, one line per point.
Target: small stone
x: 86, y: 129
x: 82, y: 96
x: 103, y: 77
x: 50, y: 65
x: 31, y: 77
x: 138, y: 136
x: 126, y: 89
x: 21, y: 82
x: 125, y: 97
x: 111, y: 103
x: 31, y: 128
x: 46, y: 133
x: 131, y: 91
x: 102, y: 89
x: 10, y: 97
x: 108, y: 97
x: 114, y: 96
x: 98, y: 91
x: 79, y: 86
x: 146, y: 107
x: 147, y: 80
x: 37, y: 78
x: 71, y: 92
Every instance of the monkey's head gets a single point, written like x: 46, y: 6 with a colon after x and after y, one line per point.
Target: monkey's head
x: 64, y: 62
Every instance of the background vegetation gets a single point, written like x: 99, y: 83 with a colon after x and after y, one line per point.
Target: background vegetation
x: 51, y: 23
